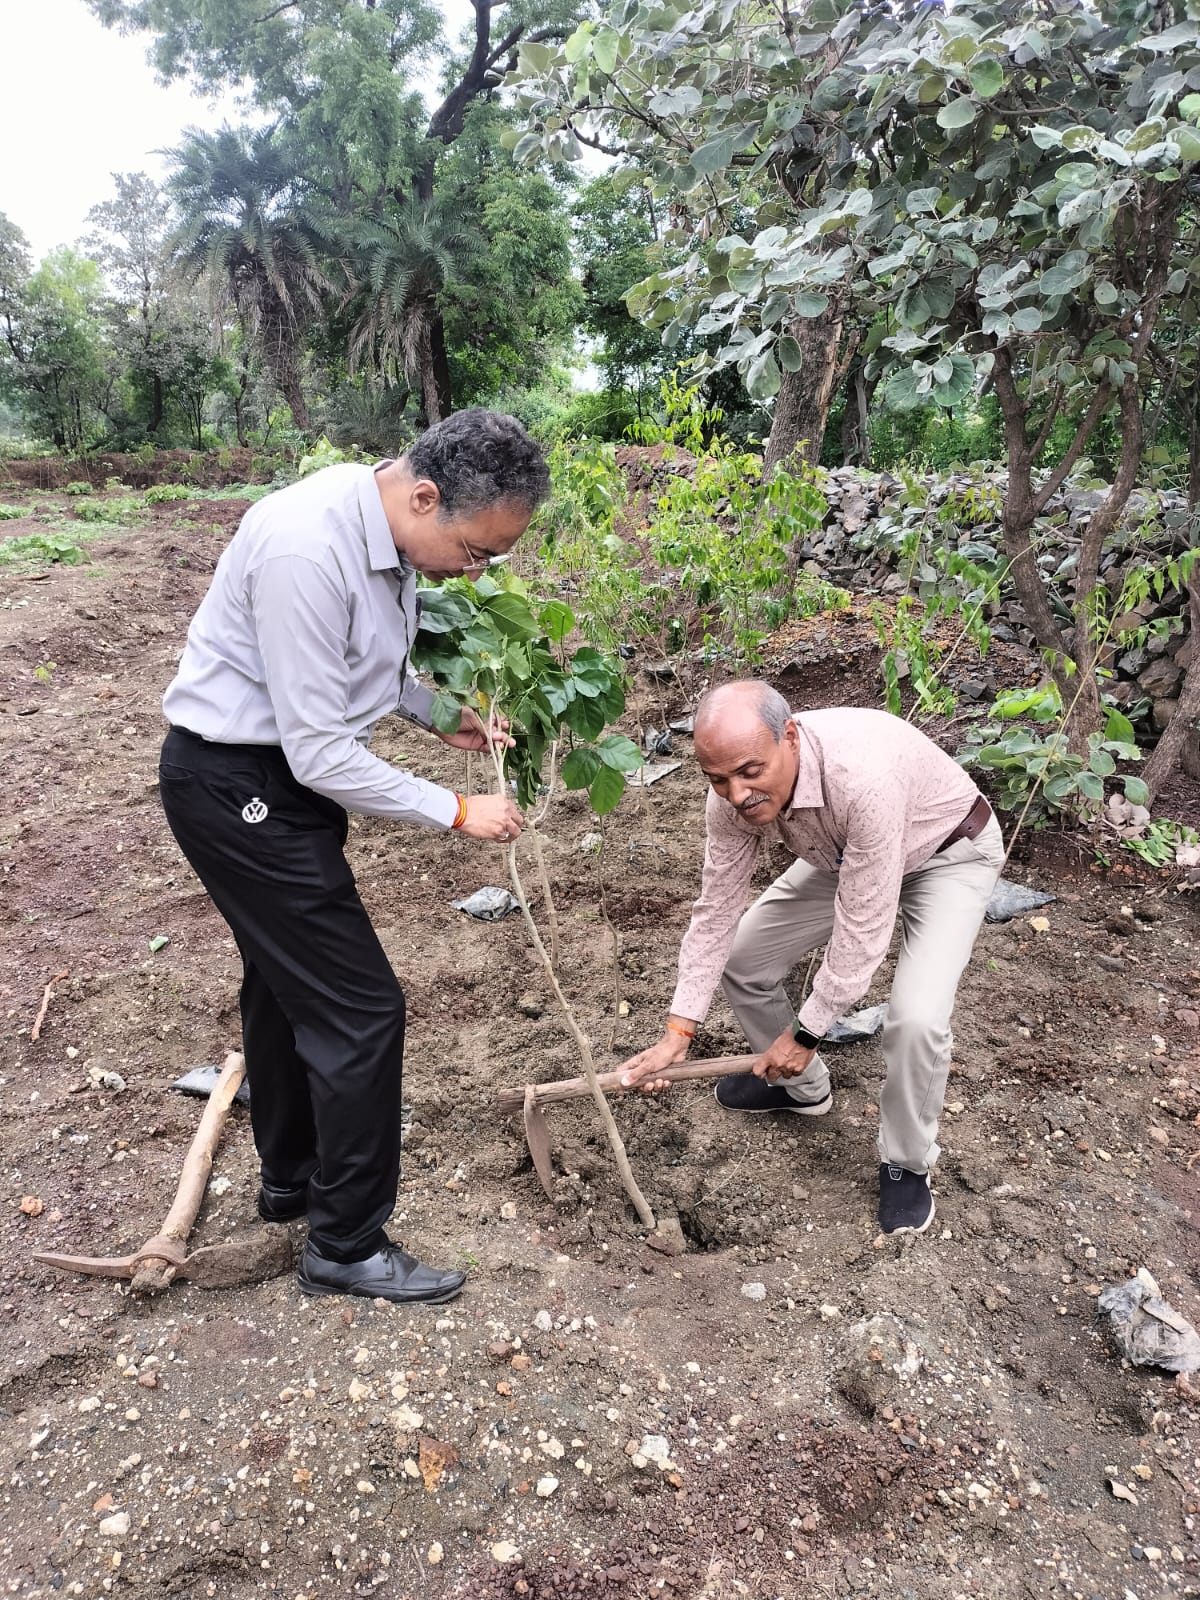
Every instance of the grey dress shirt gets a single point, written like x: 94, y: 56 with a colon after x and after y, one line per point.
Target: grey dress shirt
x: 303, y: 640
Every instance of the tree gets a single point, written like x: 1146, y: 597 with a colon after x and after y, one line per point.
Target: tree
x: 247, y: 218
x: 160, y: 341
x: 53, y: 364
x: 616, y: 231
x: 1002, y: 191
x: 404, y: 265
x: 334, y: 72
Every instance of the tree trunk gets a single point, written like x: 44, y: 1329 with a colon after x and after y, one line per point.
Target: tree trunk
x: 441, y: 365
x: 430, y: 397
x: 804, y: 398
x: 156, y: 404
x: 856, y: 440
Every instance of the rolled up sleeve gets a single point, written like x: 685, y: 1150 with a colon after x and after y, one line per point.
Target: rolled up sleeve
x: 301, y: 619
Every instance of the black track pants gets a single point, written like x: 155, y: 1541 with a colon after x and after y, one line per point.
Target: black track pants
x: 322, y: 1010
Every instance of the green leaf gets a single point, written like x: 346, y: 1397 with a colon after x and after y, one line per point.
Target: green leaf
x: 987, y: 77
x: 1060, y: 787
x: 445, y: 713
x: 763, y: 379
x: 159, y: 942
x: 442, y: 611
x: 810, y: 305
x: 1102, y: 763
x: 1136, y: 791
x: 556, y: 620
x: 953, y: 390
x: 585, y: 717
x: 714, y: 154
x: 1089, y: 784
x: 511, y: 616
x: 619, y: 753
x: 1119, y: 726
x: 607, y: 788
x: 604, y: 50
x: 960, y: 113
x: 788, y: 352
x: 580, y: 767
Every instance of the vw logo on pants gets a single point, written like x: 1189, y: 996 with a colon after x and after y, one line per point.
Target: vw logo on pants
x: 254, y: 810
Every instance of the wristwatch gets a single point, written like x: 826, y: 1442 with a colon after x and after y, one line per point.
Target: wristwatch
x: 800, y: 1033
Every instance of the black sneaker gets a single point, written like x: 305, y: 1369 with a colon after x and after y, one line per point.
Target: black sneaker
x: 905, y: 1200
x: 390, y: 1274
x: 742, y: 1091
x: 282, y: 1205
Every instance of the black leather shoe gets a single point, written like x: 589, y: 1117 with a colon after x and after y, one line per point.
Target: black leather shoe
x: 390, y: 1274
x: 282, y: 1205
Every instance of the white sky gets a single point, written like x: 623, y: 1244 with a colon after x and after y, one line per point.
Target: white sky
x: 78, y: 103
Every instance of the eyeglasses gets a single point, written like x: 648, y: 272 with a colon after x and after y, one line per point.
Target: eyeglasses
x: 480, y: 563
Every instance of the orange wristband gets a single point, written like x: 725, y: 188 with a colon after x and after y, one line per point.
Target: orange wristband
x: 461, y: 816
x: 683, y: 1032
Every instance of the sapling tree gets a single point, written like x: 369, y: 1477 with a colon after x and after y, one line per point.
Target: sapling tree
x: 491, y: 646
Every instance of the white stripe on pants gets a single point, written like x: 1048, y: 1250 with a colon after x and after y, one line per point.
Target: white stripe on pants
x: 941, y: 908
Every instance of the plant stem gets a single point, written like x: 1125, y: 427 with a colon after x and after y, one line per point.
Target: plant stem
x: 547, y: 897
x: 616, y: 938
x: 645, y: 1215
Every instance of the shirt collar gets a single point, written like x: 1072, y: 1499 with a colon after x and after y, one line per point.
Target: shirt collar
x: 381, y: 547
x: 808, y: 794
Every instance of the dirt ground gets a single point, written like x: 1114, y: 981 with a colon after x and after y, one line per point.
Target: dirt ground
x: 791, y: 1407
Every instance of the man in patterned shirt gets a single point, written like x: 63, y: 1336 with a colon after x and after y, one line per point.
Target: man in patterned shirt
x: 882, y: 823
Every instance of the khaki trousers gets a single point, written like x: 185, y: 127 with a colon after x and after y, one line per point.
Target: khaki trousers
x: 941, y: 908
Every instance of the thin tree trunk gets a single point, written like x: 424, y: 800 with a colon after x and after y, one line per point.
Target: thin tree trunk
x: 804, y: 398
x: 1180, y: 738
x: 441, y: 365
x: 156, y: 404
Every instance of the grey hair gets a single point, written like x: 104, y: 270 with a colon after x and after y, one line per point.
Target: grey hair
x: 480, y: 459
x: 769, y: 705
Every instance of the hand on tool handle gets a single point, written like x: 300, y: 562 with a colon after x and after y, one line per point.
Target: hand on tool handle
x: 644, y: 1070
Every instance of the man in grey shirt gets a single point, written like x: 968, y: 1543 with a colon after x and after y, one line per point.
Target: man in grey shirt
x: 299, y: 647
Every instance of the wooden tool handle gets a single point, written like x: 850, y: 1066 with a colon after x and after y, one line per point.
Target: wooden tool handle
x: 548, y: 1094
x: 198, y: 1162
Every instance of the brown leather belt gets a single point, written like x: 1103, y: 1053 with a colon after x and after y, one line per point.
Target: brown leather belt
x: 971, y: 826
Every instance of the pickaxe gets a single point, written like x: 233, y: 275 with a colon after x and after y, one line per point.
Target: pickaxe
x: 263, y: 1253
x: 530, y: 1100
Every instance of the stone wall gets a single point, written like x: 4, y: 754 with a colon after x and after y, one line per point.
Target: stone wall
x: 871, y: 515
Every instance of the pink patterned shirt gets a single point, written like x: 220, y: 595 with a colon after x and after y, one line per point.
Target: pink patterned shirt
x: 874, y: 799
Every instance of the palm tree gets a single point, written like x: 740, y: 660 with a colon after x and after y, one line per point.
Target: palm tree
x: 244, y: 217
x: 404, y: 264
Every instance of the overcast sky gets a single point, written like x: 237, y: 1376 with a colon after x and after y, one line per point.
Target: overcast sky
x: 78, y: 103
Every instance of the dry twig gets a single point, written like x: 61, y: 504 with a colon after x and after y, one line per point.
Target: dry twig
x: 35, y: 1032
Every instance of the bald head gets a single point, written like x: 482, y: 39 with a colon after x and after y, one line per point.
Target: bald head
x: 747, y: 700
x: 748, y: 747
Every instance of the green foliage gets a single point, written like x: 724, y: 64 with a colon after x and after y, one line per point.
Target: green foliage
x: 616, y: 237
x: 489, y: 645
x: 121, y: 509
x: 40, y: 549
x: 45, y: 671
x: 158, y: 493
x: 78, y: 486
x: 1160, y: 842
x: 322, y: 454
x: 11, y: 513
x: 54, y: 346
x: 948, y: 581
x: 1041, y: 772
x: 718, y: 542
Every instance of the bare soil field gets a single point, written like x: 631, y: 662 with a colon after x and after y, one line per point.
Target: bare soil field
x: 791, y: 1407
